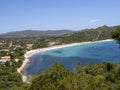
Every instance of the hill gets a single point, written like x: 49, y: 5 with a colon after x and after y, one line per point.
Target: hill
x: 35, y: 33
x: 100, y: 33
x: 103, y: 32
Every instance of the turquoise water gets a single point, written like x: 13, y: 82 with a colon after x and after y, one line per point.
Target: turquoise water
x: 93, y: 53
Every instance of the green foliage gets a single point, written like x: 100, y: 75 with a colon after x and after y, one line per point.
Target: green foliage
x: 39, y: 45
x: 116, y: 34
x: 49, y: 80
x: 100, y: 33
x: 9, y: 77
x: 81, y: 36
x: 7, y: 64
x: 97, y: 77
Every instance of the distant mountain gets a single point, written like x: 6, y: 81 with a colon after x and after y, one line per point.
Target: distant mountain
x: 36, y: 33
x: 103, y: 32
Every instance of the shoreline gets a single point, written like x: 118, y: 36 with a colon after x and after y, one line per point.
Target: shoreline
x: 30, y: 53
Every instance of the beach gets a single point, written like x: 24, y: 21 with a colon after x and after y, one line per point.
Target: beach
x: 30, y: 53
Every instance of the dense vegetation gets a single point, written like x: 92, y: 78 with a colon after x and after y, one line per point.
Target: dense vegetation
x: 100, y: 33
x: 116, y: 34
x: 104, y: 76
x: 9, y: 77
x: 41, y: 44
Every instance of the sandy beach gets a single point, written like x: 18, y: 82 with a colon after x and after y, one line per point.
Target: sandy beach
x: 32, y: 52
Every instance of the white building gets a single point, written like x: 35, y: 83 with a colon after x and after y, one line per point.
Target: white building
x: 2, y: 61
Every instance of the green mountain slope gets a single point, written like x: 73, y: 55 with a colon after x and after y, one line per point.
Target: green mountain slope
x: 99, y: 33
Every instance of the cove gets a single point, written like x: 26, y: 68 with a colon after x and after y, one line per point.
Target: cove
x: 92, y: 53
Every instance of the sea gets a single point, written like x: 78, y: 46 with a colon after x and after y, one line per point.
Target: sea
x: 86, y: 54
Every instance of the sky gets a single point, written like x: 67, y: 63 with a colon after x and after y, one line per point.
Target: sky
x: 16, y: 15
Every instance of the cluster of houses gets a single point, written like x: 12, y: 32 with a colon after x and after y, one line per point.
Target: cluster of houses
x: 5, y: 59
x: 29, y: 47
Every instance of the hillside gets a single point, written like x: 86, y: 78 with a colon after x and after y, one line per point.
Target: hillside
x: 99, y: 33
x: 35, y: 33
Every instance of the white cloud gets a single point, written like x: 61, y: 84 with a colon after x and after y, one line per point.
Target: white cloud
x: 95, y: 20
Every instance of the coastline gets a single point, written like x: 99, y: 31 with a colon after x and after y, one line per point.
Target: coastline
x: 30, y: 53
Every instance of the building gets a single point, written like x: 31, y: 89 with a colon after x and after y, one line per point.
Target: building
x: 2, y: 61
x: 5, y: 50
x: 53, y: 44
x: 29, y: 46
x: 6, y: 58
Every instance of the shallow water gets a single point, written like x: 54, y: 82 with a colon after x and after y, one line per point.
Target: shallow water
x: 70, y: 56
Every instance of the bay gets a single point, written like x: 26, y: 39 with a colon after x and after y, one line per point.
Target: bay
x: 86, y: 54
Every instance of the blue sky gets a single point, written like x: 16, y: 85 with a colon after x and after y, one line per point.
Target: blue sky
x: 57, y: 14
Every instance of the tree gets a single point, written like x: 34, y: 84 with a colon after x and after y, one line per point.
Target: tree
x: 50, y: 80
x: 116, y: 35
x: 40, y: 45
x: 7, y: 64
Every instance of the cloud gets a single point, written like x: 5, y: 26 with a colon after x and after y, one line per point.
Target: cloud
x: 95, y: 20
